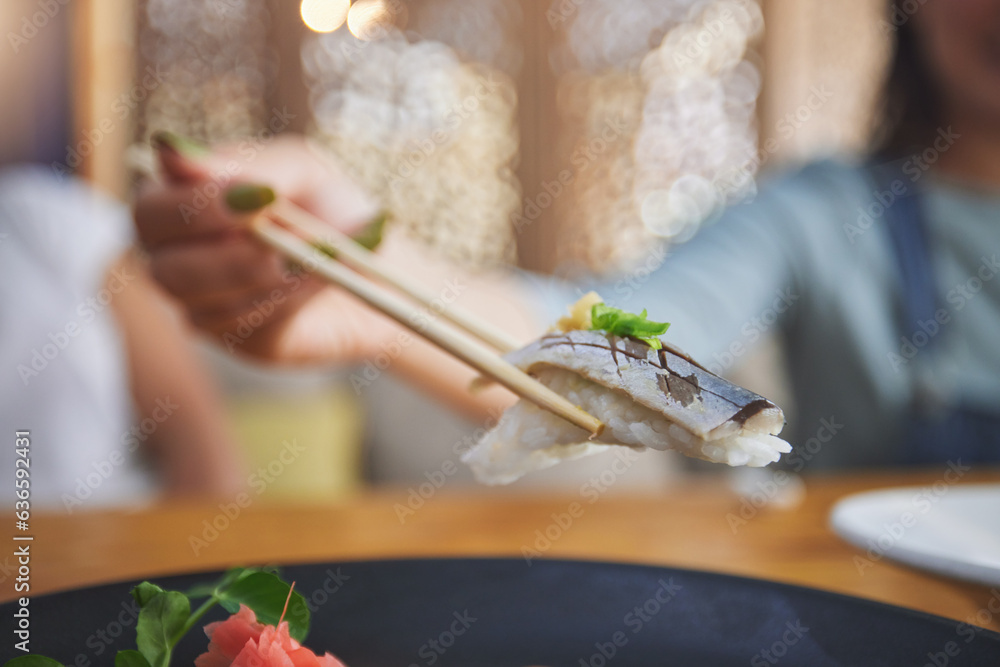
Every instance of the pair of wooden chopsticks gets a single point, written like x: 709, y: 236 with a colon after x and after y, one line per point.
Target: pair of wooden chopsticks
x: 349, y: 270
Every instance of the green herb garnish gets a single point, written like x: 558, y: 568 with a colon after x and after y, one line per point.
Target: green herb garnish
x: 620, y: 323
x: 166, y: 616
x: 370, y: 236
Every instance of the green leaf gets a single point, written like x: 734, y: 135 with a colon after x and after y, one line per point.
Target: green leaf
x: 145, y: 592
x: 201, y: 590
x: 370, y: 236
x: 622, y: 323
x: 227, y: 579
x: 161, y: 622
x: 32, y: 660
x: 265, y: 594
x: 130, y: 659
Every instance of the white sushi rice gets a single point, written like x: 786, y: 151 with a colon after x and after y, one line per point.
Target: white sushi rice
x: 529, y: 438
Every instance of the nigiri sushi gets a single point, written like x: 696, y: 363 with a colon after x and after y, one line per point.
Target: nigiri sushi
x: 647, y: 393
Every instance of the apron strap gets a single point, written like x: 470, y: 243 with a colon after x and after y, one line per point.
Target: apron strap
x: 905, y: 223
x: 955, y: 433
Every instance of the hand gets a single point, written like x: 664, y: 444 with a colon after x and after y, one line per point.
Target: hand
x: 237, y: 289
x: 231, y: 285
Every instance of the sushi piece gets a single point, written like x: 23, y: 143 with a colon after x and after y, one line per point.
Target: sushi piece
x: 647, y: 393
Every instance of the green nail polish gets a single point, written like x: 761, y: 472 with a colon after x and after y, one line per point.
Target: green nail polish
x: 370, y: 236
x: 183, y: 145
x: 247, y: 197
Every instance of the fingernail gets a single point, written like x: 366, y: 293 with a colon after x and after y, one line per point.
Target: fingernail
x: 183, y: 145
x: 246, y: 197
x: 370, y: 236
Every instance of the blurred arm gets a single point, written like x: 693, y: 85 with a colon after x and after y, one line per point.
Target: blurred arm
x: 193, y: 445
x: 737, y: 279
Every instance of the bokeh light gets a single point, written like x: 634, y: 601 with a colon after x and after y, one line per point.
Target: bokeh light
x: 428, y: 133
x: 324, y: 15
x: 656, y: 104
x: 217, y: 70
x: 679, y: 81
x: 370, y: 19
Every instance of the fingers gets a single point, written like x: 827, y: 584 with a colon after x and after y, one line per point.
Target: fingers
x: 209, y: 274
x: 178, y: 213
x: 190, y: 202
x: 315, y: 322
x: 173, y: 152
x: 197, y: 199
x: 230, y: 278
x: 249, y: 324
x: 302, y: 173
x: 195, y: 226
x: 174, y: 213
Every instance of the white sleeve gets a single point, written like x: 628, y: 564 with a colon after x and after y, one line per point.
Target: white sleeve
x: 63, y: 363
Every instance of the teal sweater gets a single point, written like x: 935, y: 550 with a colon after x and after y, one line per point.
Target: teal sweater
x: 810, y: 260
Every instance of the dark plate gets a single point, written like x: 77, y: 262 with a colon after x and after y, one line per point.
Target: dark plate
x: 472, y: 612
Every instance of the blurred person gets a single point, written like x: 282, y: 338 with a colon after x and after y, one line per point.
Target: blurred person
x: 98, y: 367
x: 206, y: 258
x: 879, y: 276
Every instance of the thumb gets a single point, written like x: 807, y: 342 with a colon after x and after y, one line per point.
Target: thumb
x: 179, y: 157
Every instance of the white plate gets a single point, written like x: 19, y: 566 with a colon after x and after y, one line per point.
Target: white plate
x: 950, y: 530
